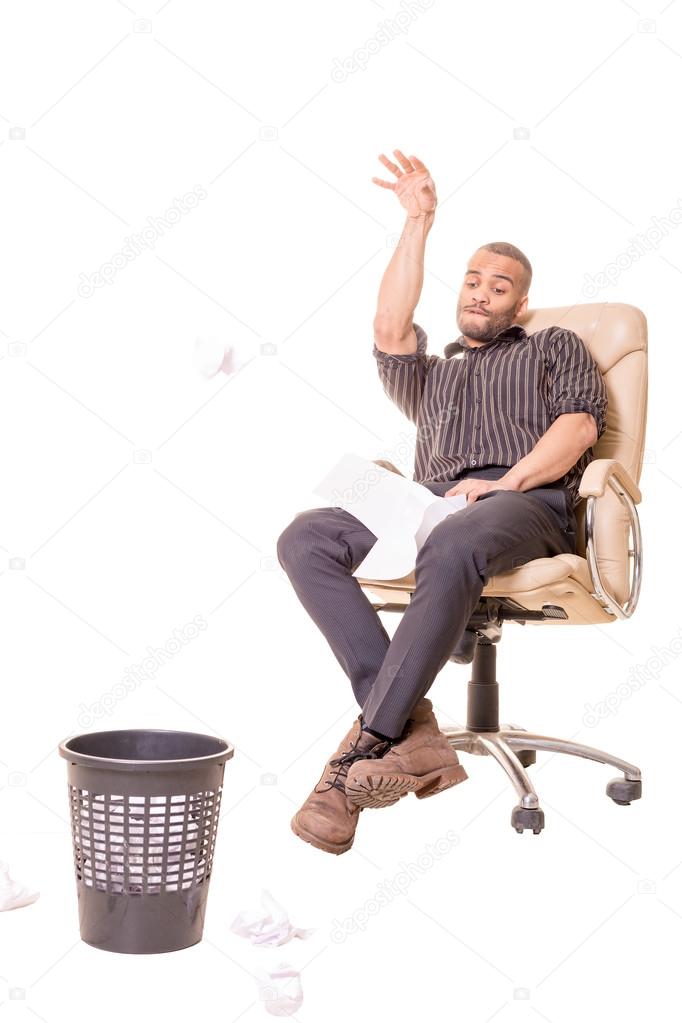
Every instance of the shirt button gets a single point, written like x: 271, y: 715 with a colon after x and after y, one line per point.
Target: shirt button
x: 473, y: 461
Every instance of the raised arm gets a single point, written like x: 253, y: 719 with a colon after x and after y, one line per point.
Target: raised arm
x: 402, y: 282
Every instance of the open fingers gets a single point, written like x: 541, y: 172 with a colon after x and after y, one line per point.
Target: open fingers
x: 404, y: 162
x: 391, y: 166
x: 384, y: 184
x: 418, y: 165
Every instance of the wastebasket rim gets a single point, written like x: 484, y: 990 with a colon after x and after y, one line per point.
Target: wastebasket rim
x: 71, y: 754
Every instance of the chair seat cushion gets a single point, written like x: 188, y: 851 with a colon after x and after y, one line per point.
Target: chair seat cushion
x: 534, y: 574
x: 563, y: 580
x: 540, y: 572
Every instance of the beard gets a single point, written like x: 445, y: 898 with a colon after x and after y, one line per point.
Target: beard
x: 482, y: 328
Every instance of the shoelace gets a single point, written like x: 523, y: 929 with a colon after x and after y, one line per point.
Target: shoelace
x: 343, y: 762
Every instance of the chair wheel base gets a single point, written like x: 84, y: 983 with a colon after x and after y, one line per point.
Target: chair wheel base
x: 624, y: 790
x: 524, y: 818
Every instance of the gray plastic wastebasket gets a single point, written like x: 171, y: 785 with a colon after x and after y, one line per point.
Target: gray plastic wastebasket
x: 144, y: 807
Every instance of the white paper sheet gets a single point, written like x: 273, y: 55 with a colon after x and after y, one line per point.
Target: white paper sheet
x: 400, y: 512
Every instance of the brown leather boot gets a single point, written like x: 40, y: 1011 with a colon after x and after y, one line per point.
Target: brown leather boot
x: 421, y: 761
x: 328, y: 819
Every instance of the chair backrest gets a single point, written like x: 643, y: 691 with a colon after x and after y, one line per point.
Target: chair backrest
x: 616, y: 335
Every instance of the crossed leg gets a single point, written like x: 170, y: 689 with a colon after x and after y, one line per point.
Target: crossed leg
x: 321, y: 547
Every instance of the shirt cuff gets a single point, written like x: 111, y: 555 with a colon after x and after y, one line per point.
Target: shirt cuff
x: 386, y: 359
x: 582, y: 405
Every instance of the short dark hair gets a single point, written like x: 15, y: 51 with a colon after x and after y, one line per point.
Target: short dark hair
x: 507, y: 249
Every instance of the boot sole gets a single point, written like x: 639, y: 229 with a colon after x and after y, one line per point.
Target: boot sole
x: 319, y: 843
x: 385, y: 790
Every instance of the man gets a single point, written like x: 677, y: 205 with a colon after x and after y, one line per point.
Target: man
x: 507, y: 418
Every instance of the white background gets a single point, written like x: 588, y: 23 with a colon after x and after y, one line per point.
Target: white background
x: 137, y: 495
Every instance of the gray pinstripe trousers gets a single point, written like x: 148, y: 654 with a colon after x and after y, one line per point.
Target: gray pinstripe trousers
x: 321, y: 547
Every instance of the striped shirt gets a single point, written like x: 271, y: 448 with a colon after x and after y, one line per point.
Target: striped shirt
x: 489, y: 405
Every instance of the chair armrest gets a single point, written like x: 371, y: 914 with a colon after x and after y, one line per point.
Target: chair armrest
x: 387, y: 465
x: 598, y: 475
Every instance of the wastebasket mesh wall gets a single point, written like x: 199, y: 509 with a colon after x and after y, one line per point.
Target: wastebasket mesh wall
x: 143, y: 844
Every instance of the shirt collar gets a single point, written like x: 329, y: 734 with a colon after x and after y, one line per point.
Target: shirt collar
x: 514, y: 332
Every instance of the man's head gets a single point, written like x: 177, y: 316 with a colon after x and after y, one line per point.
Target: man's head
x: 496, y: 281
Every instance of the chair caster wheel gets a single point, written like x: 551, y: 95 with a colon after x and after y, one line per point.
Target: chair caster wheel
x: 525, y: 818
x: 623, y: 790
x: 526, y: 756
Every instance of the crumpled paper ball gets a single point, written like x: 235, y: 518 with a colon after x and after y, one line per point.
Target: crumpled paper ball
x: 213, y: 355
x: 268, y: 925
x: 279, y: 986
x: 280, y: 989
x: 14, y: 895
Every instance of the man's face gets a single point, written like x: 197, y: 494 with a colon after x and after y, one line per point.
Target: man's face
x: 489, y: 299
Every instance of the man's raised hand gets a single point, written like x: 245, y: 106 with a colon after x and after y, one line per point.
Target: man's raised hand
x: 415, y: 187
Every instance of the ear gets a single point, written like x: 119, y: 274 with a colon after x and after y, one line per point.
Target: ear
x: 522, y: 306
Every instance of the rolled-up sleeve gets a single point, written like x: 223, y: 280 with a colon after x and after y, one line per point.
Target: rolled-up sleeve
x: 404, y: 376
x: 575, y: 380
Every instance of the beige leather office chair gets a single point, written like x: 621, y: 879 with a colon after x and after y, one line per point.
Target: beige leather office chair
x: 597, y: 585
